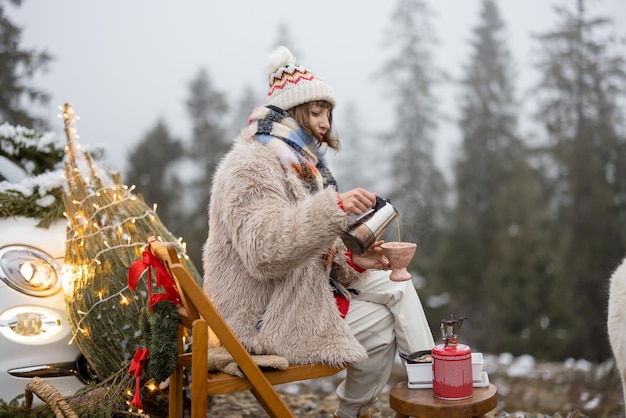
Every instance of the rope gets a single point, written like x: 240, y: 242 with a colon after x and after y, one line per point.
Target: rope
x: 47, y: 393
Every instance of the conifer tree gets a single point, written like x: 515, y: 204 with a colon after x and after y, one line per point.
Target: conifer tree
x: 580, y: 91
x: 152, y: 168
x: 108, y: 230
x: 17, y: 66
x: 491, y: 254
x: 247, y: 102
x: 207, y: 108
x: 419, y: 189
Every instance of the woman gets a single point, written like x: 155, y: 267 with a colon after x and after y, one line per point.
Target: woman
x: 274, y: 264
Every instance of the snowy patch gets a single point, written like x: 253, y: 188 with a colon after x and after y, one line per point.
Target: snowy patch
x: 582, y: 365
x: 46, y: 201
x: 524, y: 365
x: 593, y: 403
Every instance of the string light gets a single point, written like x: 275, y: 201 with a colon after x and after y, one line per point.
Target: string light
x: 123, y: 301
x: 101, y: 229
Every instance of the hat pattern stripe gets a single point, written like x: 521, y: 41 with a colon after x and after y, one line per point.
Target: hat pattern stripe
x: 291, y: 79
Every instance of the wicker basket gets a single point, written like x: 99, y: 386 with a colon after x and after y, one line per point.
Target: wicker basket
x: 47, y: 393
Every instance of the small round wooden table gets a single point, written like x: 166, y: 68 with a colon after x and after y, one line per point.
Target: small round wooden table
x: 420, y: 403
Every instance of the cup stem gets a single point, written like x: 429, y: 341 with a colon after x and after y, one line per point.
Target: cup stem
x: 399, y: 275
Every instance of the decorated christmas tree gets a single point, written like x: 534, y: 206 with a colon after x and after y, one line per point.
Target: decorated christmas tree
x: 108, y: 229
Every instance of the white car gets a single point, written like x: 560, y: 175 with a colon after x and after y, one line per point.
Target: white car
x: 35, y: 336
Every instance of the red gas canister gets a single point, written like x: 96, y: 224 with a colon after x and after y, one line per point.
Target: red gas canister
x: 452, y: 365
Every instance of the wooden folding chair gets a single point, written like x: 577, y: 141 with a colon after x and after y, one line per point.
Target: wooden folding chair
x: 198, y: 315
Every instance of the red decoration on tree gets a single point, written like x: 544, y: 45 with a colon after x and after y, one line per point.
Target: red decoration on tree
x: 163, y: 278
x: 136, y: 367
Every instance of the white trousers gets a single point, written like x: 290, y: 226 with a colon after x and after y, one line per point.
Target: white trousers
x: 385, y: 317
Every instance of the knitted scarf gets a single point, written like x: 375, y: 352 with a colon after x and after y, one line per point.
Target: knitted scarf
x: 295, y: 149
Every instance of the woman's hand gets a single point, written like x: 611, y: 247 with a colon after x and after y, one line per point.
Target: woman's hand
x: 357, y: 201
x: 373, y: 258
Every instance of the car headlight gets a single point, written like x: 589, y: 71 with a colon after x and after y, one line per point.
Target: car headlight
x: 30, y: 324
x: 29, y: 270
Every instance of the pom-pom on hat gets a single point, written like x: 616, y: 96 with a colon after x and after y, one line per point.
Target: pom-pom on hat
x: 292, y: 85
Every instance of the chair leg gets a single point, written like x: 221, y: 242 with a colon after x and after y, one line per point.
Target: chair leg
x: 199, y: 368
x: 175, y: 407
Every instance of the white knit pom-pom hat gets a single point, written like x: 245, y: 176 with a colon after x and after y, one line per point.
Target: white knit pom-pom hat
x: 292, y: 85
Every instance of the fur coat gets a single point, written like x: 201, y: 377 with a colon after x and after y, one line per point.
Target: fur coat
x: 616, y: 319
x: 264, y: 258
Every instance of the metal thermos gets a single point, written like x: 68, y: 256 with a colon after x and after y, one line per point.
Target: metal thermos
x: 368, y: 227
x: 452, y: 364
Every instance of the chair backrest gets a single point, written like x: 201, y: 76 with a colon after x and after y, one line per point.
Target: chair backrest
x: 200, y: 315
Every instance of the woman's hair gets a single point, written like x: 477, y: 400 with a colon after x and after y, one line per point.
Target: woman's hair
x: 301, y: 114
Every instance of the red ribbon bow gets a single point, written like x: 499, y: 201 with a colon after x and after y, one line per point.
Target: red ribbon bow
x: 136, y: 367
x: 163, y: 279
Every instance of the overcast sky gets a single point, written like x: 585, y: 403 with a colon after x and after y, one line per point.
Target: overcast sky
x: 124, y: 63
